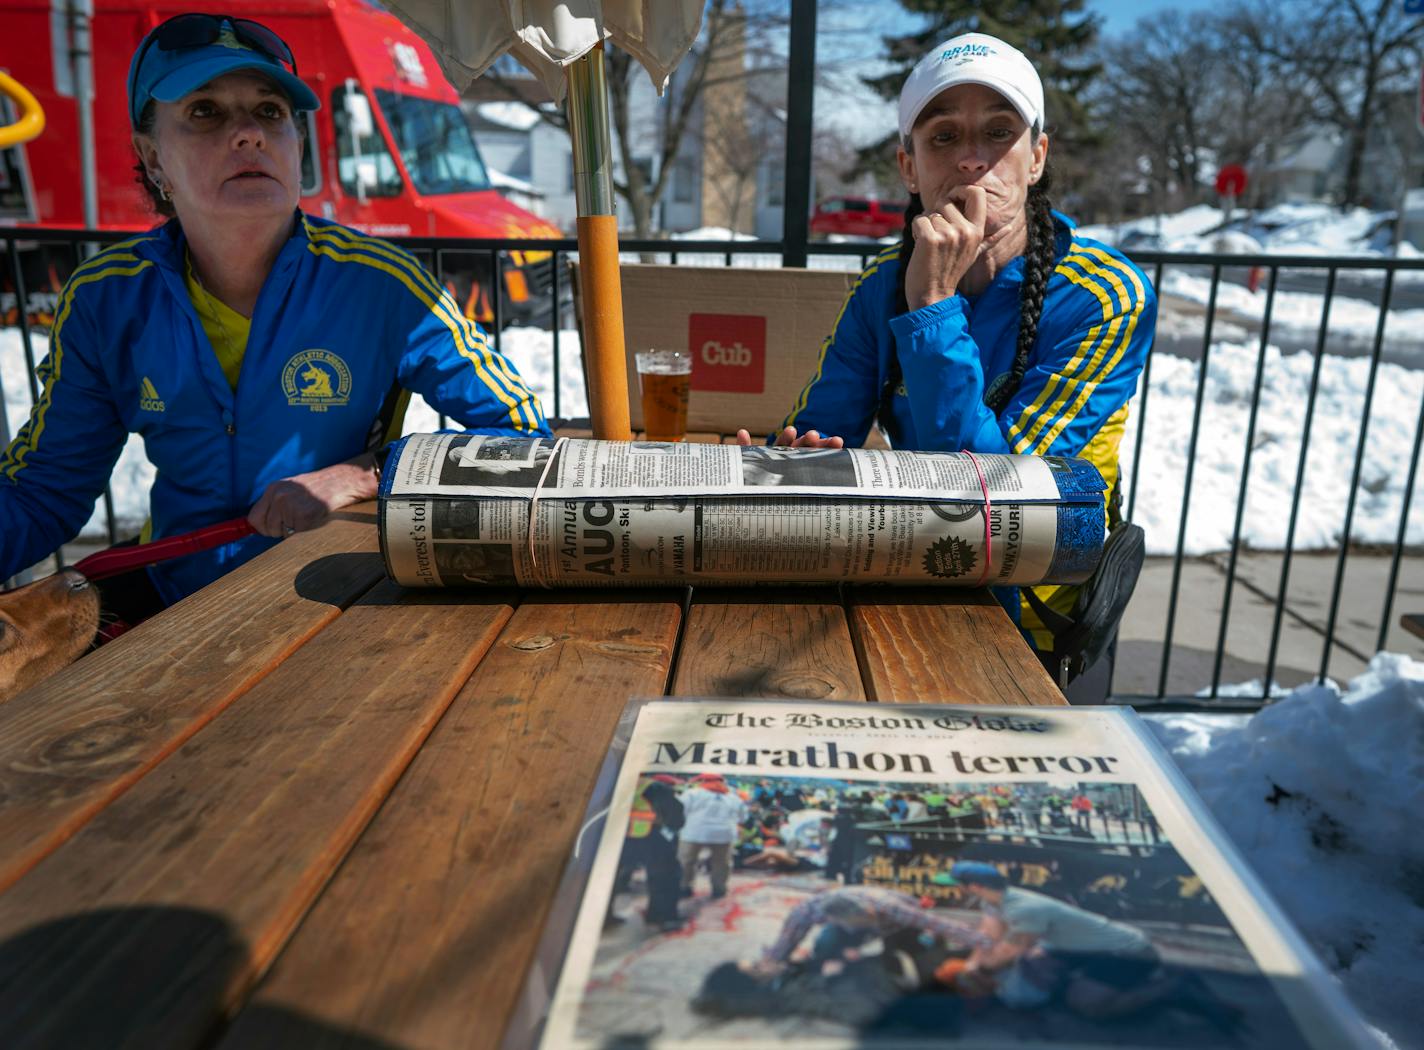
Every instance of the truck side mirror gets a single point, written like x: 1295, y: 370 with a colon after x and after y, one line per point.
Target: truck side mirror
x: 358, y: 114
x: 367, y: 175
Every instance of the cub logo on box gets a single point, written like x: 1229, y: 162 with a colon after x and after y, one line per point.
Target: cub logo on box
x: 728, y: 352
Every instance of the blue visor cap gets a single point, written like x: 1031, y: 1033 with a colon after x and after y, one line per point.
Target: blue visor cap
x: 167, y: 76
x: 974, y: 872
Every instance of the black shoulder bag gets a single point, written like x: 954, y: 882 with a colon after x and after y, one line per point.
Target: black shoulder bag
x: 1081, y: 639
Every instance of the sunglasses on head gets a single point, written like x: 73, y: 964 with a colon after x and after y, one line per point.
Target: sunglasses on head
x: 199, y: 30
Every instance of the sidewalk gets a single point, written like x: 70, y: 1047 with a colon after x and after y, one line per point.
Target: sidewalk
x: 1303, y: 620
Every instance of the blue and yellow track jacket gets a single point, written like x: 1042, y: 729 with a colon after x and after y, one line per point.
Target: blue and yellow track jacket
x: 1099, y: 313
x: 341, y: 318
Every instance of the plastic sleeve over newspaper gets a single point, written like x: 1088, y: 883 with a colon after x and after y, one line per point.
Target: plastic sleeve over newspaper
x: 462, y: 510
x: 1017, y: 869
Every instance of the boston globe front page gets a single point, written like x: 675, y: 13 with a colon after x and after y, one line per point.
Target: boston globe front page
x: 832, y: 875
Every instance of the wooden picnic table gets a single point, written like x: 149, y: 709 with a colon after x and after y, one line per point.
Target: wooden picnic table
x: 308, y: 808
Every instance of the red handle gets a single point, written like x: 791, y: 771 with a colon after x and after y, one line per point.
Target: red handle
x: 115, y: 560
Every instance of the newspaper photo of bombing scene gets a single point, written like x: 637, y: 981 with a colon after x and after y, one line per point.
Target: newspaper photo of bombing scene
x: 748, y: 910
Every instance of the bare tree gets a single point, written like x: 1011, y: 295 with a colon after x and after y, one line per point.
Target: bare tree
x: 730, y: 31
x: 1341, y: 54
x: 733, y: 148
x: 1160, y: 101
x: 1258, y: 105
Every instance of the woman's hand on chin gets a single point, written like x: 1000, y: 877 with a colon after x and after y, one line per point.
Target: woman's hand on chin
x: 788, y: 438
x: 304, y: 501
x: 948, y: 242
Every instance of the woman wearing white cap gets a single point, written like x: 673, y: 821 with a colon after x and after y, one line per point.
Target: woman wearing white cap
x: 992, y: 326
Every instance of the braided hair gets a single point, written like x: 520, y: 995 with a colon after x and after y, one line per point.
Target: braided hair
x: 1039, y: 257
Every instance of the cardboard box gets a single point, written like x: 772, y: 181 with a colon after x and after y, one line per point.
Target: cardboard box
x: 755, y: 336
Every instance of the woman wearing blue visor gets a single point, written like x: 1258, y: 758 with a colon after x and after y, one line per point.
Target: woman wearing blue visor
x: 261, y: 353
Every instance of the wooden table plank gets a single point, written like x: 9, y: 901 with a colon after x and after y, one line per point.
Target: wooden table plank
x: 785, y: 643
x: 194, y: 877
x: 79, y: 739
x: 424, y: 936
x: 1413, y: 623
x: 943, y: 645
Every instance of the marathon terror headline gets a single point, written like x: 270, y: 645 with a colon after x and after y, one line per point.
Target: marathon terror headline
x: 829, y: 756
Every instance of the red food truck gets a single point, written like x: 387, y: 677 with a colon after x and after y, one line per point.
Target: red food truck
x: 389, y: 152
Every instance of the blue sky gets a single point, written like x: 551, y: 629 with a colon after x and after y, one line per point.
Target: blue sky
x: 848, y: 47
x: 1122, y: 15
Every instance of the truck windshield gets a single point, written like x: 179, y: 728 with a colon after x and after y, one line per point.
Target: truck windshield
x: 435, y: 143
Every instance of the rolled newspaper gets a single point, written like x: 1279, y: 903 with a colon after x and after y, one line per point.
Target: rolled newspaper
x: 464, y: 509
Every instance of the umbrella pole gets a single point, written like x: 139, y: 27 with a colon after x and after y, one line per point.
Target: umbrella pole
x: 605, y: 363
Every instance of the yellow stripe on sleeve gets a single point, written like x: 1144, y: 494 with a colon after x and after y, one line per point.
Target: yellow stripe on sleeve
x: 1016, y: 437
x: 331, y: 248
x: 449, y: 311
x: 800, y: 406
x: 119, y: 264
x: 1088, y: 387
x: 1118, y: 266
x: 1084, y: 371
x: 441, y: 305
x: 1082, y: 365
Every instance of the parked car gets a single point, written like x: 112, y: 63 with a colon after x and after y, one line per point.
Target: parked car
x: 857, y: 217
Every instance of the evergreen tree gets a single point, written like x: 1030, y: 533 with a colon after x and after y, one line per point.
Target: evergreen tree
x: 1056, y: 35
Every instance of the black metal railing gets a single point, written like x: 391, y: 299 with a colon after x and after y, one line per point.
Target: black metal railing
x: 450, y: 259
x: 66, y: 250
x: 1271, y: 267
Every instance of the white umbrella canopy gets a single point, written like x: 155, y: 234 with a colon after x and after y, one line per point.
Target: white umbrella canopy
x: 547, y: 35
x: 560, y: 41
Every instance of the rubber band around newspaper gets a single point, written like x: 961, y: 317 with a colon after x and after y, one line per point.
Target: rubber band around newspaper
x: 988, y: 506
x: 559, y: 443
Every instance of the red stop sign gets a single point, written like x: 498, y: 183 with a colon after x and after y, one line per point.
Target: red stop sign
x: 1231, y: 180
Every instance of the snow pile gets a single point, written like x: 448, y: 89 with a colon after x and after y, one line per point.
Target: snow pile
x: 1286, y: 229
x: 1322, y: 793
x: 1319, y: 229
x: 1192, y: 222
x: 1335, y: 432
x: 712, y: 233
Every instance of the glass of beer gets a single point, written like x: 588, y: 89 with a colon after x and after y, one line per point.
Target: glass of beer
x: 665, y: 376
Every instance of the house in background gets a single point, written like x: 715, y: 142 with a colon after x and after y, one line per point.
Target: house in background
x: 1311, y: 167
x: 518, y: 143
x: 727, y: 171
x: 528, y: 159
x: 1306, y: 170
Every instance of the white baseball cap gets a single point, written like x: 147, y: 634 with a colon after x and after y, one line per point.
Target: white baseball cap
x: 973, y: 58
